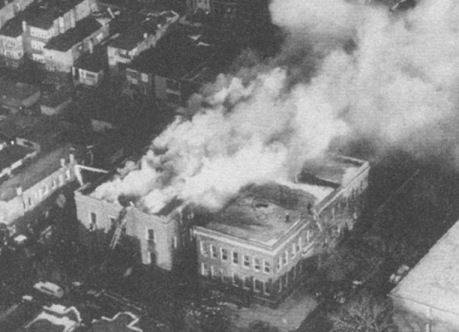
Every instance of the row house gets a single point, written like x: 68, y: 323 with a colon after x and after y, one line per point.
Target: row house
x: 90, y: 69
x: 172, y: 71
x: 30, y: 185
x: 139, y: 38
x: 12, y: 39
x: 52, y: 19
x: 11, y: 43
x: 61, y: 52
x: 267, y: 240
x: 10, y: 8
x: 161, y: 239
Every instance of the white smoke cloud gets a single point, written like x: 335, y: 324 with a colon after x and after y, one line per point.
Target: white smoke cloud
x: 395, y: 86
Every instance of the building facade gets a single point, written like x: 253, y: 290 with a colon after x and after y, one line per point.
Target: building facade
x: 52, y: 19
x: 139, y: 38
x: 267, y: 241
x: 31, y: 184
x: 61, y: 52
x: 160, y: 239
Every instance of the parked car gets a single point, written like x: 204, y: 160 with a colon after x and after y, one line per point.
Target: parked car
x: 49, y: 288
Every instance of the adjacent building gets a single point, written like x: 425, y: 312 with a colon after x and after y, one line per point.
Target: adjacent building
x: 61, y: 52
x: 139, y: 38
x: 31, y: 183
x: 427, y: 299
x: 266, y: 241
x: 172, y: 71
x: 10, y: 8
x: 52, y: 18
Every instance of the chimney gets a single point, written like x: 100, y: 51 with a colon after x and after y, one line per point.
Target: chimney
x: 287, y: 218
x: 145, y: 35
x: 62, y: 162
x: 19, y: 190
x: 91, y: 46
x: 24, y: 26
x: 72, y: 158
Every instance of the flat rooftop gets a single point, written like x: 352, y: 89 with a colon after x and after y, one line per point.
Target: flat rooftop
x: 434, y: 281
x: 263, y: 213
x: 33, y: 173
x: 83, y: 28
x: 93, y: 62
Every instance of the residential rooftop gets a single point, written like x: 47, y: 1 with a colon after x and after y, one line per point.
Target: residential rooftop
x: 434, y: 281
x: 263, y: 214
x: 49, y: 10
x: 136, y: 34
x: 93, y: 62
x: 175, y: 56
x: 34, y: 172
x: 83, y: 28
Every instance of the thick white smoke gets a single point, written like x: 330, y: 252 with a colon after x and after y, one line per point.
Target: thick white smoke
x: 396, y: 86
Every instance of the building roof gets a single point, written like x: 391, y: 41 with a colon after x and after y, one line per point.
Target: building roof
x: 122, y: 322
x: 93, y: 62
x: 49, y: 10
x: 263, y: 214
x: 11, y: 90
x: 83, y: 28
x: 12, y: 154
x: 434, y: 282
x: 12, y: 28
x: 175, y: 56
x: 136, y: 34
x: 33, y: 173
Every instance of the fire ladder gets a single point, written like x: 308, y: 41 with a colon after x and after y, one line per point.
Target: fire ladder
x: 120, y: 222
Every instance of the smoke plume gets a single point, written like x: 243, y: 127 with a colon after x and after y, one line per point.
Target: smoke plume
x: 396, y: 85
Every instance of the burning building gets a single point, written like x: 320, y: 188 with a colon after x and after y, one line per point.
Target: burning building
x: 161, y: 237
x: 266, y: 240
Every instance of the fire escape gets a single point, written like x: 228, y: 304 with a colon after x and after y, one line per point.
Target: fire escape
x: 119, y: 224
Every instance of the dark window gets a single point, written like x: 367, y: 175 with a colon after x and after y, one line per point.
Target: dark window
x: 213, y: 251
x: 267, y: 267
x: 257, y: 285
x: 224, y: 254
x: 235, y: 257
x: 151, y: 235
x: 152, y: 258
x: 256, y: 264
x: 246, y: 261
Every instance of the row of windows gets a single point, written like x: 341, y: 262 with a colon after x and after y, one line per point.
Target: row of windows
x: 246, y: 261
x: 29, y: 202
x: 256, y: 263
x: 246, y: 282
x: 40, y: 33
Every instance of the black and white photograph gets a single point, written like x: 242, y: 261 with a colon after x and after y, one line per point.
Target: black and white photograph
x: 229, y: 166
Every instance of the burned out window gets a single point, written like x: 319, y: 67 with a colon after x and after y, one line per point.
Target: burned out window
x: 203, y: 248
x: 93, y: 221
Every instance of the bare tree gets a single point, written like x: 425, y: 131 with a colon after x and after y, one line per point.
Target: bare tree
x: 365, y: 313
